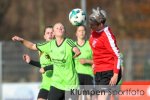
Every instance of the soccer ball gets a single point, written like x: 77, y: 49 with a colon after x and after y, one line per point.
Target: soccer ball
x: 77, y: 17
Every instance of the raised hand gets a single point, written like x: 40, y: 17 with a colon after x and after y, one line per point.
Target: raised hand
x: 82, y: 61
x: 17, y: 38
x: 42, y: 71
x: 26, y: 58
x: 113, y: 80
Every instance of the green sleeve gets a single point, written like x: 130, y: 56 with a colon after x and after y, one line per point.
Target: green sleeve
x: 71, y: 43
x: 43, y: 47
x: 122, y: 63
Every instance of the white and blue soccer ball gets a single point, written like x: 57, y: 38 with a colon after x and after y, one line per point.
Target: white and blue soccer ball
x: 77, y: 17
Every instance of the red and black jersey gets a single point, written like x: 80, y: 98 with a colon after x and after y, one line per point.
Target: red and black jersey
x: 105, y: 51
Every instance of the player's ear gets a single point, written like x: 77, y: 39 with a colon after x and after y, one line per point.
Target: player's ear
x: 44, y: 36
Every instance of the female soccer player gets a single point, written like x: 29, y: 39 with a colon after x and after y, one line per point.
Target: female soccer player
x: 61, y: 51
x: 44, y: 62
x: 83, y: 63
x: 105, y: 51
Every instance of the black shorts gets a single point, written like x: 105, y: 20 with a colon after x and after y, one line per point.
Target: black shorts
x: 57, y: 94
x: 86, y: 81
x: 43, y: 94
x: 103, y: 78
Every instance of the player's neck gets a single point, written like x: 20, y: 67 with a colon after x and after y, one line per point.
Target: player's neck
x: 59, y: 40
x: 81, y: 41
x: 48, y: 40
x: 101, y: 27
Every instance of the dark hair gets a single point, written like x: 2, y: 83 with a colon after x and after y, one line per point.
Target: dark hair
x: 48, y: 27
x: 82, y: 26
x: 103, y: 21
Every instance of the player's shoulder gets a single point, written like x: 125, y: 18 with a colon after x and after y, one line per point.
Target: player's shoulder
x: 69, y: 39
x: 42, y: 43
x: 87, y: 41
x: 107, y: 29
x: 52, y: 41
x: 70, y: 42
x: 87, y: 44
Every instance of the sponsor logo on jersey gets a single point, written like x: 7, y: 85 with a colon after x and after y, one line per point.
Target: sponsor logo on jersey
x: 94, y: 43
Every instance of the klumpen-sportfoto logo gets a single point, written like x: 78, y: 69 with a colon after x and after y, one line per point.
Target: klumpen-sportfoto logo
x: 108, y: 90
x: 123, y: 92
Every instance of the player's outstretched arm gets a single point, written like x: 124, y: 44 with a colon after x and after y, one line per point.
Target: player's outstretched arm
x: 76, y: 51
x: 28, y: 60
x: 26, y: 43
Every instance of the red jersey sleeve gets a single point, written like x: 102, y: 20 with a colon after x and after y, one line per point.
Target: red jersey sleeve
x: 110, y: 44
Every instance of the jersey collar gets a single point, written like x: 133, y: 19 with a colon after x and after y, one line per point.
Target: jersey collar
x: 81, y: 45
x: 61, y: 42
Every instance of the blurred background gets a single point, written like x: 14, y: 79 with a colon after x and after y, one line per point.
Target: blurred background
x: 129, y: 20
